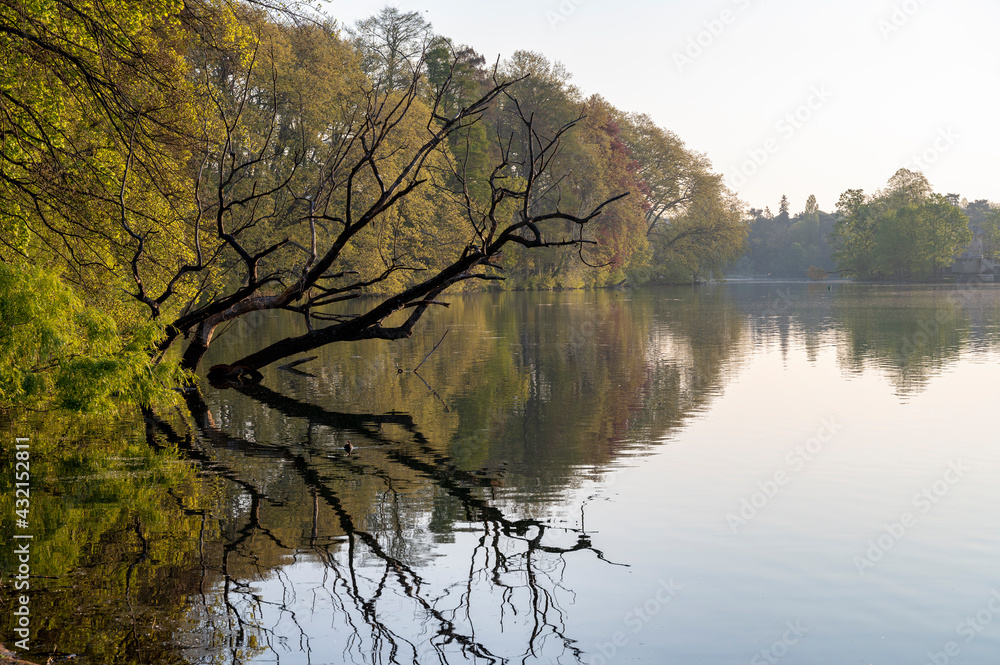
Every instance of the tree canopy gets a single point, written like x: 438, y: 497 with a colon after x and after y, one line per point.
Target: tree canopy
x: 904, y: 231
x: 170, y: 167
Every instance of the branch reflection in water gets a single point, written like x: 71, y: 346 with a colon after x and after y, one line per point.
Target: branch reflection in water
x: 364, y: 581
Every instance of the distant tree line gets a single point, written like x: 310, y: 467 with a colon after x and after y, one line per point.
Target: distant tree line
x: 903, y: 232
x: 783, y: 245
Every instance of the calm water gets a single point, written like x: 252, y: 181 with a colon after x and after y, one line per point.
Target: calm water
x: 755, y: 473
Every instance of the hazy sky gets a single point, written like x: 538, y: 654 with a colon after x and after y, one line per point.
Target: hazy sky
x: 784, y: 96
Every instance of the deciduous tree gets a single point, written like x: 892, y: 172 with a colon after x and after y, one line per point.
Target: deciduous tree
x: 694, y: 224
x: 902, y: 232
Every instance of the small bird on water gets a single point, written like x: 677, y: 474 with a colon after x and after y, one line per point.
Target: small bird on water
x: 348, y: 447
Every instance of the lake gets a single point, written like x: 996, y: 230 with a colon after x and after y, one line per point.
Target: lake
x: 738, y: 473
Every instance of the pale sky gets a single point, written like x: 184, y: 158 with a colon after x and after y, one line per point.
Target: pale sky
x: 784, y: 96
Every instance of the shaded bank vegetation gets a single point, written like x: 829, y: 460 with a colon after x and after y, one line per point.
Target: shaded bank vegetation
x: 784, y: 245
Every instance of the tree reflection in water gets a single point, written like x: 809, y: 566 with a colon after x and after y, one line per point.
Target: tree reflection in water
x: 370, y: 574
x: 265, y: 540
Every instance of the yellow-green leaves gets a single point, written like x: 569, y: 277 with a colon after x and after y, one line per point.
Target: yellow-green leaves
x: 54, y: 350
x: 695, y: 225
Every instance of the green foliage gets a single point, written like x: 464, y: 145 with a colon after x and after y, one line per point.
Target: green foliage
x: 95, y: 97
x: 900, y: 233
x: 693, y: 224
x: 991, y: 230
x: 54, y: 349
x: 117, y: 525
x: 392, y: 44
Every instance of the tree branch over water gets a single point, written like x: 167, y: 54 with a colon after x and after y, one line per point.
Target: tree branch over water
x: 494, y: 227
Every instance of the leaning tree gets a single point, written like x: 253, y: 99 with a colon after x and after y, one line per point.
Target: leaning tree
x: 255, y: 165
x: 369, y: 163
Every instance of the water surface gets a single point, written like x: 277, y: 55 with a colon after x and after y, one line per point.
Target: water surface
x: 738, y: 473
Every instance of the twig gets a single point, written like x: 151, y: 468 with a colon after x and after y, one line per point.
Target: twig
x: 292, y: 365
x: 432, y: 350
x: 422, y: 303
x: 433, y: 392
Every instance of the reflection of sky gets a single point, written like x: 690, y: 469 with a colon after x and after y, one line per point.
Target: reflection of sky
x: 794, y: 559
x: 309, y: 599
